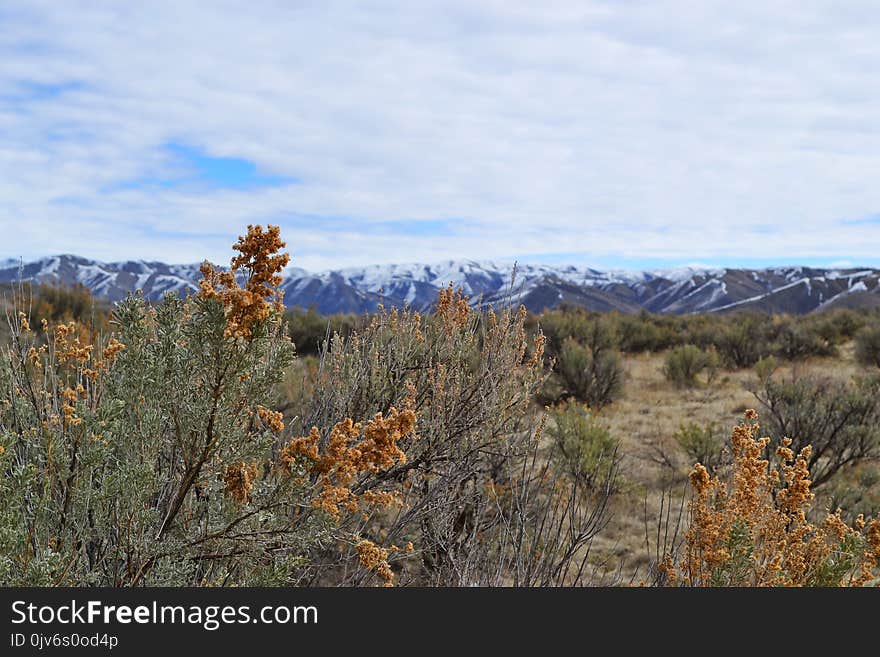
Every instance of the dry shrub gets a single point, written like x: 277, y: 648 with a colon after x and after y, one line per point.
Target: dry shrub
x: 752, y: 529
x: 350, y: 452
x: 259, y: 260
x: 470, y: 503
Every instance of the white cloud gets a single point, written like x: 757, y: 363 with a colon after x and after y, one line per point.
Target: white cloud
x: 672, y: 130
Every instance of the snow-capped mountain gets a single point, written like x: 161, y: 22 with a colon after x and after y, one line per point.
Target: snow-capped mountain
x: 361, y: 289
x: 107, y: 280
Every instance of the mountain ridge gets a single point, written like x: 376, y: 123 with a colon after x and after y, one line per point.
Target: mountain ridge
x: 792, y: 289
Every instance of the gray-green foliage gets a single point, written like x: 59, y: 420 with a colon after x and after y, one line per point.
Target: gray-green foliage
x: 765, y: 368
x: 796, y: 339
x: 128, y: 488
x: 857, y: 492
x: 743, y: 340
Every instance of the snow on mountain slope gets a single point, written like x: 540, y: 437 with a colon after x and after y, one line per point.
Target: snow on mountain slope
x: 538, y: 286
x: 112, y: 281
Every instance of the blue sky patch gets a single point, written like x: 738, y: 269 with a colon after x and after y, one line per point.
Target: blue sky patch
x: 191, y: 166
x: 862, y: 221
x: 222, y: 172
x: 24, y: 93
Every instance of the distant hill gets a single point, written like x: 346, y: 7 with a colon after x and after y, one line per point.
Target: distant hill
x: 795, y: 290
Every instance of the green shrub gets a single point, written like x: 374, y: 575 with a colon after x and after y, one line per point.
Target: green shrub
x: 158, y: 455
x: 591, y: 374
x: 143, y: 458
x: 840, y: 325
x: 683, y: 365
x: 765, y: 367
x: 797, y: 338
x: 742, y: 342
x: 584, y: 445
x: 644, y: 332
x: 57, y: 302
x: 309, y: 330
x: 868, y: 347
x: 702, y: 443
x: 741, y: 338
x: 857, y: 492
x: 582, y: 326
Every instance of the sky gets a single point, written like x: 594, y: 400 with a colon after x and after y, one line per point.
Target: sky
x: 620, y: 134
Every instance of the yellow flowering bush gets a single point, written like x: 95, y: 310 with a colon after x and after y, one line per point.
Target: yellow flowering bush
x: 753, y: 530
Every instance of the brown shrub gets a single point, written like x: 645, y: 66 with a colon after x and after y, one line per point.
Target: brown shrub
x: 752, y: 529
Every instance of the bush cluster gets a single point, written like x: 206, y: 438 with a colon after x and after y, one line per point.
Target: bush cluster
x: 701, y: 443
x: 586, y: 361
x: 739, y: 339
x: 55, y: 303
